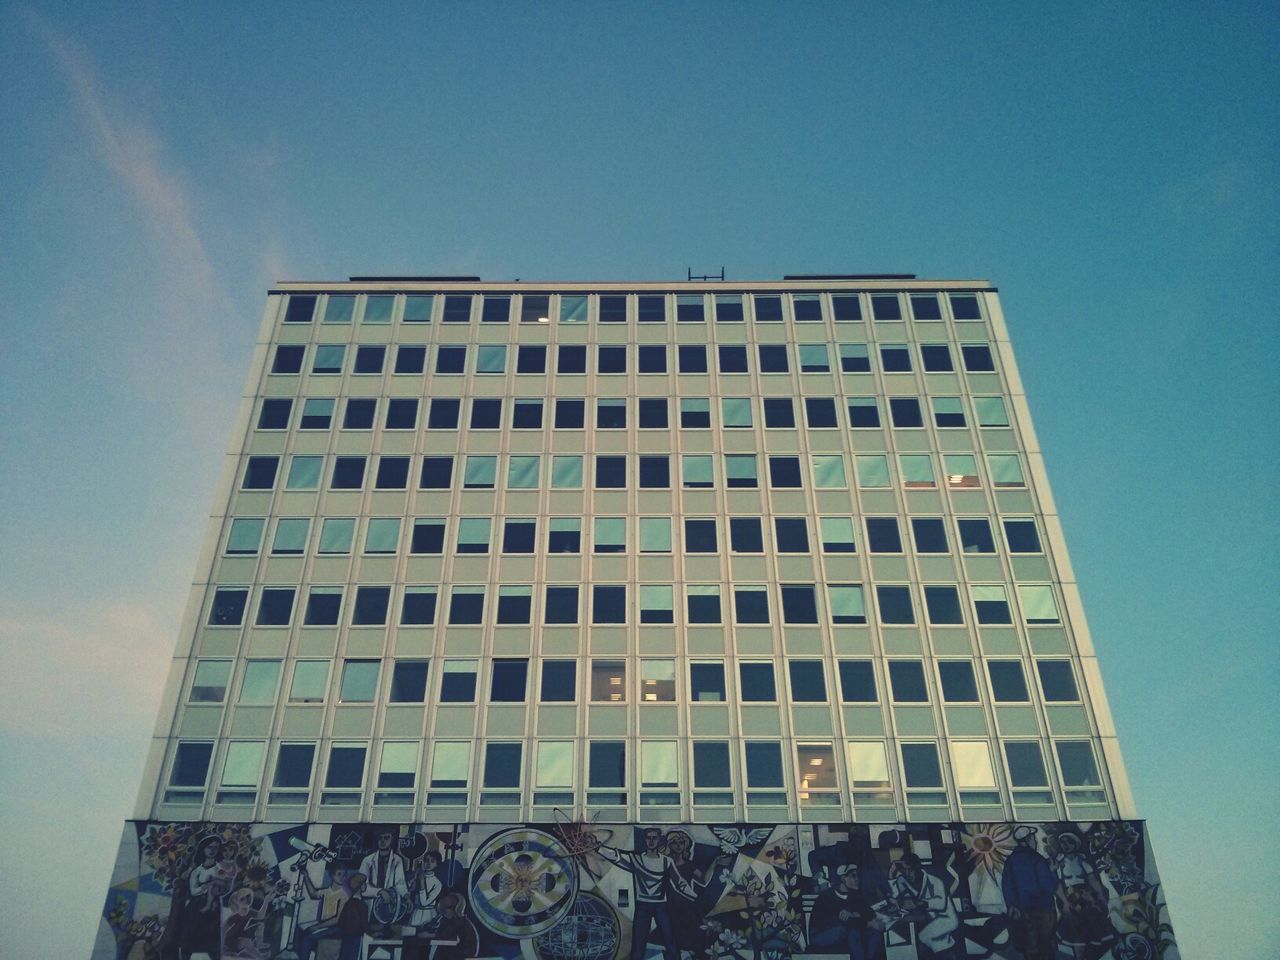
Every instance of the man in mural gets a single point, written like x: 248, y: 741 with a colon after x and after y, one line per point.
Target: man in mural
x: 844, y: 916
x: 332, y: 896
x: 1028, y: 885
x: 386, y: 874
x: 348, y: 927
x: 856, y: 849
x: 655, y: 875
x: 922, y: 899
x: 1083, y: 924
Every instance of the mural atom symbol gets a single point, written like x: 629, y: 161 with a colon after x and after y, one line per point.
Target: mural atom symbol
x: 522, y: 883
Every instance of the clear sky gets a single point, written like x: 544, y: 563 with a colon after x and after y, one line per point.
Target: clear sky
x: 1112, y: 167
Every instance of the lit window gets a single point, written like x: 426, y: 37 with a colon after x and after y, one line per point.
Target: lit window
x: 869, y: 773
x: 659, y: 773
x: 608, y: 681
x: 816, y: 774
x: 657, y: 681
x: 973, y: 773
x: 961, y: 470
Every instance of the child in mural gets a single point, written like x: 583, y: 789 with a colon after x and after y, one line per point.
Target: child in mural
x: 243, y: 935
x: 195, y: 916
x: 1083, y: 924
x: 844, y: 916
x: 1029, y: 887
x: 348, y: 927
x: 332, y: 896
x: 424, y: 892
x: 921, y: 898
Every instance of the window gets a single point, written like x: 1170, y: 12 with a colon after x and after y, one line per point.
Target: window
x: 1008, y: 684
x: 571, y: 414
x: 653, y: 413
x: 501, y: 773
x: 291, y: 536
x: 227, y: 609
x: 444, y: 412
x: 692, y: 358
x: 755, y: 681
x: 450, y: 772
x: 1080, y: 771
x: 466, y: 605
x: 409, y: 681
x: 209, y: 683
x: 310, y: 680
x: 706, y: 682
x: 924, y: 306
x: 869, y: 773
x: 917, y: 471
x: 883, y: 535
x: 816, y: 763
x: 958, y: 682
x: 1057, y: 681
x: 812, y: 358
x: 1027, y: 775
x: 531, y: 358
x: 806, y: 308
x: 905, y: 413
x: 609, y: 535
x: 689, y: 308
x: 288, y: 358
x: 527, y: 415
x: 655, y: 472
x: 764, y: 772
x: 275, y: 607
x: 732, y: 358
x: 559, y: 681
x: 784, y: 473
x: 317, y: 414
x: 573, y: 309
x: 359, y: 681
x: 480, y: 473
x: 473, y: 535
x: 808, y: 682
x: 328, y: 358
x: 451, y: 359
x: 457, y: 309
x: 571, y: 358
x: 260, y: 682
x: 848, y: 605
x: 339, y: 309
x: 458, y: 681
x: 837, y: 534
x: 1038, y: 603
x: 711, y: 774
x: 696, y: 472
x: 820, y: 412
x: 745, y: 535
x: 657, y: 681
x: 519, y: 535
x: 397, y: 771
x: 768, y: 308
x: 336, y: 535
x: 371, y: 606
x: 359, y: 414
x: 695, y: 413
x: 1021, y: 535
x: 906, y: 681
x: 702, y: 603
x: 189, y: 772
x: 728, y: 308
x: 740, y: 471
x: 991, y: 604
x: 895, y: 358
x: 608, y: 603
x: 611, y: 473
x: 857, y: 681
x: 1006, y: 471
x: 553, y: 776
x: 964, y: 306
x: 735, y: 412
x: 961, y: 470
x: 779, y: 413
x: 523, y: 473
x: 495, y: 310
x: 377, y: 310
x: 863, y: 413
x: 561, y: 604
x: 872, y: 470
x: 651, y: 309
x: 750, y: 603
x: 417, y: 307
x: 606, y: 772
x: 613, y: 308
x: 975, y: 777
x: 418, y: 607
x: 773, y: 358
x: 651, y: 358
x: 515, y: 605
x: 301, y: 309
x: 324, y: 605
x: 510, y: 680
x: 936, y: 358
x: 657, y: 603
x: 369, y: 359
x: 275, y: 414
x: 608, y: 681
x: 437, y: 473
x: 659, y: 773
x: 486, y: 414
x: 948, y: 412
x: 854, y: 358
x: 294, y: 762
x: 564, y: 535
x: 990, y: 412
x: 791, y: 534
x: 611, y: 413
x: 846, y: 308
x: 260, y: 473
x: 491, y: 358
x: 977, y: 357
x: 611, y: 359
x: 700, y: 536
x: 535, y: 308
x: 885, y: 306
x: 393, y: 473
x: 942, y: 604
x: 655, y: 534
x: 922, y: 774
x: 975, y: 535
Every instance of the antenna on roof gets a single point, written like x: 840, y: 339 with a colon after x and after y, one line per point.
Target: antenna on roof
x: 709, y: 276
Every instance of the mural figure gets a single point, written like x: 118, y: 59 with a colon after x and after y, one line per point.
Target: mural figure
x: 1083, y: 924
x: 1030, y: 888
x: 921, y: 899
x: 455, y: 937
x: 195, y: 920
x: 244, y: 935
x: 845, y: 917
x: 348, y: 928
x: 424, y: 890
x: 655, y: 876
x: 386, y: 879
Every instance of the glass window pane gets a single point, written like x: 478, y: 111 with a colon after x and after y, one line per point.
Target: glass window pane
x: 920, y: 767
x: 261, y: 679
x: 245, y: 535
x: 554, y: 764
x: 971, y: 765
x: 658, y: 763
x: 868, y: 765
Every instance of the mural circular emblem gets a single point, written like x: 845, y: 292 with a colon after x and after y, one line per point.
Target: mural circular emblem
x: 522, y: 883
x: 589, y: 931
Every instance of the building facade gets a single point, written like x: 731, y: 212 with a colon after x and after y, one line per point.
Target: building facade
x: 584, y: 621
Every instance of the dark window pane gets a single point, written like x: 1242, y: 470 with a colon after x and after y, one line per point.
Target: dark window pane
x: 975, y: 535
x: 958, y: 682
x: 444, y: 414
x: 745, y: 535
x: 300, y: 310
x: 857, y: 681
x: 820, y: 411
x: 228, y: 607
x: 510, y: 679
x: 288, y: 358
x: 527, y: 415
x: 451, y: 359
x: 806, y: 310
x: 486, y: 414
x: 322, y: 609
x: 791, y: 534
x: 764, y: 764
x: 711, y: 764
x: 750, y: 605
x: 409, y: 681
x: 371, y: 606
x: 519, y: 536
x: 502, y: 765
x: 920, y: 768
x: 515, y: 608
x: 1057, y: 680
x: 936, y: 358
x: 700, y: 536
x: 846, y: 308
x: 466, y: 607
x: 458, y: 686
x: 653, y: 413
x: 1026, y: 764
x: 930, y: 534
x: 348, y: 473
x: 393, y: 473
x: 260, y: 473
x: 943, y: 604
x: 729, y: 308
x: 531, y: 358
x: 275, y: 414
x: 895, y: 358
x: 613, y: 309
x: 883, y: 536
x: 611, y: 359
x: 808, y: 684
x: 925, y: 307
x: 570, y: 414
x: 655, y: 472
x: 964, y: 306
x: 706, y: 682
x: 863, y: 413
x: 773, y: 358
x: 886, y: 307
x: 496, y: 310
x: 369, y: 359
x: 756, y: 681
x: 733, y: 359
x: 784, y: 472
x: 1022, y: 536
x: 905, y: 412
x: 411, y: 359
x: 610, y: 414
x: 651, y: 309
x: 906, y: 680
x: 437, y: 473
x: 559, y: 681
x: 768, y: 309
x: 693, y: 358
x: 293, y: 765
x: 457, y: 309
x: 895, y: 605
x: 418, y: 608
x: 611, y: 473
x: 1008, y: 684
x: 359, y: 414
x: 562, y: 605
x: 977, y: 358
x: 572, y: 358
x: 607, y: 764
x: 779, y: 412
x: 651, y: 358
x: 798, y: 603
x: 703, y: 608
x: 190, y: 764
x: 608, y: 603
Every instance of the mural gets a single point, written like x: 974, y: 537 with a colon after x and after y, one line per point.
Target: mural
x: 587, y: 891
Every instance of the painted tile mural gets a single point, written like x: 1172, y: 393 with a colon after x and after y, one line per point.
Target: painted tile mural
x: 580, y: 891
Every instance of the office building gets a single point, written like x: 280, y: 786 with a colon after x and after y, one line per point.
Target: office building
x: 584, y: 621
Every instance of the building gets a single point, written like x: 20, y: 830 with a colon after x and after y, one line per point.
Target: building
x: 558, y: 620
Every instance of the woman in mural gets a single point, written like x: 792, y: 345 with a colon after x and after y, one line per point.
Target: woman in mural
x: 1082, y: 901
x: 195, y: 917
x: 687, y: 915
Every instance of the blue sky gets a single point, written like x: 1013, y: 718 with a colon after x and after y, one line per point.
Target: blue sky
x: 1112, y: 167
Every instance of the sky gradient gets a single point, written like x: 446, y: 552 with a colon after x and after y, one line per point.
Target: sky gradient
x: 1111, y: 167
